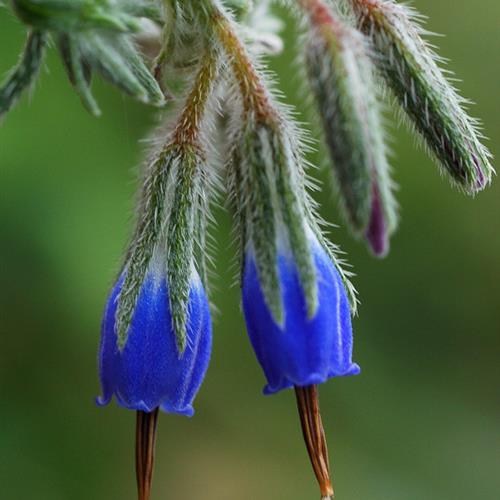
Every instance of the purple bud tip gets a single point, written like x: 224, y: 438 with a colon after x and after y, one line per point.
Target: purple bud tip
x: 376, y: 233
x: 481, y: 179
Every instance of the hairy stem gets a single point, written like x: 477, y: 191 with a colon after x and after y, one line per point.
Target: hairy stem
x: 188, y: 124
x: 253, y: 90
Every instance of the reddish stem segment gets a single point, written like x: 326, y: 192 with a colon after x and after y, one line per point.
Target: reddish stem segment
x: 145, y: 439
x: 314, y: 436
x: 319, y: 12
x: 253, y: 90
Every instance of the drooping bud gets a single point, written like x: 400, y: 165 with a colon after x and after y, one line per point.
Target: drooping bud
x: 294, y: 294
x: 272, y: 215
x: 25, y: 73
x: 156, y: 332
x: 434, y: 107
x: 302, y: 350
x: 295, y: 303
x: 340, y: 73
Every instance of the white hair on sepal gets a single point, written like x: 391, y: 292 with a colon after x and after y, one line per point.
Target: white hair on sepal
x: 435, y: 109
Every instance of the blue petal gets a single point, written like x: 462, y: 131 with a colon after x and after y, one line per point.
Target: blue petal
x: 305, y: 351
x: 149, y: 372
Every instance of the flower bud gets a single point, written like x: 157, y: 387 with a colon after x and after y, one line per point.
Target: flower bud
x: 272, y: 208
x: 340, y: 73
x: 156, y: 332
x: 433, y: 106
x: 294, y: 294
x: 302, y: 351
x: 149, y: 371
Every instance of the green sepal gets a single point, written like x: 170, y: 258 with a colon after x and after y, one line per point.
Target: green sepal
x: 79, y: 71
x: 182, y: 227
x: 144, y: 241
x: 116, y: 60
x: 260, y: 218
x: 130, y: 54
x: 239, y: 7
x: 26, y: 71
x: 287, y: 162
x: 270, y: 202
x: 165, y: 239
x: 74, y: 15
x: 341, y: 76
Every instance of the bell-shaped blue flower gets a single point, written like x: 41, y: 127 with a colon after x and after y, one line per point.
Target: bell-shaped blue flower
x: 305, y: 350
x: 150, y: 372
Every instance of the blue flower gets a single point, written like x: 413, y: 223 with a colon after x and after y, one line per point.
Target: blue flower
x: 305, y: 351
x: 149, y: 372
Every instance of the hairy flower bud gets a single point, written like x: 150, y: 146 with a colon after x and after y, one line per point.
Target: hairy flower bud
x: 303, y: 350
x: 340, y: 73
x: 294, y: 294
x: 434, y: 107
x: 156, y: 335
x: 268, y: 198
x: 149, y: 372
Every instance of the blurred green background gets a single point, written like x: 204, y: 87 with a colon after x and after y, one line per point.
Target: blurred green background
x: 419, y: 423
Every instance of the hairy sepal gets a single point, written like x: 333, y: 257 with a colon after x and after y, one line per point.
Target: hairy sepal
x: 77, y: 15
x: 24, y: 74
x: 184, y: 222
x: 166, y: 235
x: 257, y: 209
x: 116, y: 59
x: 272, y: 217
x: 432, y: 104
x: 146, y: 237
x: 340, y: 73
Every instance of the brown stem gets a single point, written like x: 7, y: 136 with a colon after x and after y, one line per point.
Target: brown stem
x: 252, y: 88
x: 314, y: 436
x: 188, y: 124
x: 145, y: 438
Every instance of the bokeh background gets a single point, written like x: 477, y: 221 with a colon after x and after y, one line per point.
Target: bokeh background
x: 419, y: 423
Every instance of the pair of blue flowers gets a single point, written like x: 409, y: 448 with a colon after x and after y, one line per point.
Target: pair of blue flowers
x: 150, y: 373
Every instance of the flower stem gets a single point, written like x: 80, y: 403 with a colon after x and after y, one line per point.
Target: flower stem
x: 314, y: 436
x: 145, y: 439
x: 188, y: 124
x: 252, y: 88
